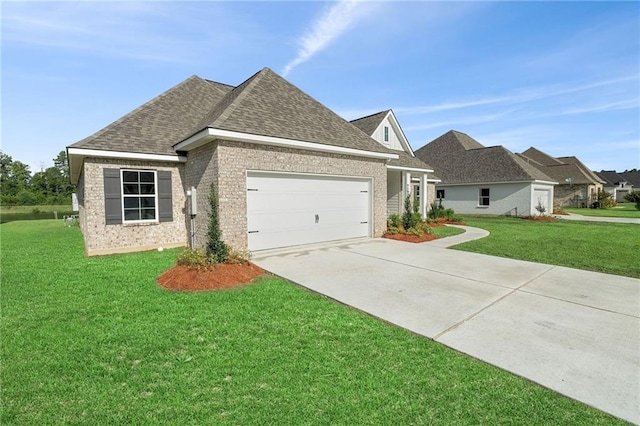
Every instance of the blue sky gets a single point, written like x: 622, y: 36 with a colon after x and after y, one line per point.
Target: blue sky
x: 561, y: 76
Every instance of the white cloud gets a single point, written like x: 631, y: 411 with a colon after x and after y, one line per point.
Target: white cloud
x: 336, y: 20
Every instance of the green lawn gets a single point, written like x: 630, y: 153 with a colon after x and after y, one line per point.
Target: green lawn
x: 621, y: 210
x: 604, y: 247
x: 95, y: 341
x: 446, y: 231
x: 14, y: 213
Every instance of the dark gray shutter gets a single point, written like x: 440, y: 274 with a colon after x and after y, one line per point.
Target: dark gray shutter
x: 112, y: 197
x: 165, y: 203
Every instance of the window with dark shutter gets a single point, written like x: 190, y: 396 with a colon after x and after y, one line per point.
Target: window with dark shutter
x: 112, y: 196
x: 483, y: 199
x: 165, y: 202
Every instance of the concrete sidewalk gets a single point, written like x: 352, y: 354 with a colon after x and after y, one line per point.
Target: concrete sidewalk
x: 573, y: 331
x: 573, y: 216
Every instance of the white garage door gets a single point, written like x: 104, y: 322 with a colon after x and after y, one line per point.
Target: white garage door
x: 289, y: 209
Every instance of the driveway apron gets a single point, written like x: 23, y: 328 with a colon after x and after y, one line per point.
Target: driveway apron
x: 576, y: 332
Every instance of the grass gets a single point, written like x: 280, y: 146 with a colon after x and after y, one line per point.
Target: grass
x: 596, y: 246
x: 95, y: 340
x: 446, y: 231
x: 621, y: 210
x: 14, y: 213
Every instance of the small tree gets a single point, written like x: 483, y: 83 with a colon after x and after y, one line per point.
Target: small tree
x: 633, y: 197
x: 409, y: 218
x: 604, y: 200
x: 215, y: 248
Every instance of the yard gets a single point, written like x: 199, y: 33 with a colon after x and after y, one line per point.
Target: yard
x: 621, y: 210
x: 612, y: 248
x: 95, y: 340
x: 13, y: 213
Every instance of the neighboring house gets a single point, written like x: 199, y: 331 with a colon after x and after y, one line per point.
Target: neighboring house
x: 620, y: 184
x: 286, y: 169
x: 406, y: 175
x: 577, y: 186
x: 486, y: 180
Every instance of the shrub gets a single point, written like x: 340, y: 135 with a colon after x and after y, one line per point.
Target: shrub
x: 394, y: 221
x: 604, y: 200
x: 197, y: 259
x: 633, y: 197
x: 215, y: 247
x: 35, y: 210
x: 409, y: 218
x: 540, y: 207
x: 238, y: 256
x: 434, y: 210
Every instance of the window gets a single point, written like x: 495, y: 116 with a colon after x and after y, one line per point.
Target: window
x: 386, y: 133
x: 139, y: 196
x: 484, y: 197
x: 440, y: 194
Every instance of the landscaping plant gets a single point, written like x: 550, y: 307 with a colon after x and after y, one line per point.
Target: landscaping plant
x: 633, y: 197
x: 215, y: 248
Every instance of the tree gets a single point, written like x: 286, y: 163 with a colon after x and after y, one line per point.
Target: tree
x: 215, y: 246
x: 633, y: 197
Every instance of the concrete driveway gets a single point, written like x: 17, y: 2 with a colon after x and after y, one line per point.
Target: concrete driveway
x: 573, y: 331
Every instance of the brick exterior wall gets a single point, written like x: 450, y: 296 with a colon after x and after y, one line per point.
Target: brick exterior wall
x: 226, y: 164
x: 100, y: 238
x: 576, y: 195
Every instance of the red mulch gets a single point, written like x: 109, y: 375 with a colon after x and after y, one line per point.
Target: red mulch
x: 223, y: 275
x: 410, y: 238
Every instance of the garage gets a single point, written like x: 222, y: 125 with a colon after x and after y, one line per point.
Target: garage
x: 288, y: 209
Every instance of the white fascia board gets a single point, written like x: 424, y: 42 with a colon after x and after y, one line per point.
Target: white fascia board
x: 409, y: 169
x: 498, y: 183
x: 403, y: 138
x: 126, y: 155
x: 210, y: 134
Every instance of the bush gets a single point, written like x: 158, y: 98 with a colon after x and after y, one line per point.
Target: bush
x: 394, y: 221
x: 238, y: 256
x: 197, y: 259
x: 604, y: 200
x: 633, y: 197
x: 434, y: 211
x: 409, y: 218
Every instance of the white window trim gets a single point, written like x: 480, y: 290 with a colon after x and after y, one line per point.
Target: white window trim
x: 385, y: 135
x: 488, y: 197
x: 123, y: 196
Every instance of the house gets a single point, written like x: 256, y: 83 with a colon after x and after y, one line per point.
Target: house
x: 577, y: 186
x: 620, y: 184
x: 286, y: 170
x: 486, y: 180
x: 405, y: 174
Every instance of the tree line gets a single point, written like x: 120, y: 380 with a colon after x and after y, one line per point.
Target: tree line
x: 19, y: 187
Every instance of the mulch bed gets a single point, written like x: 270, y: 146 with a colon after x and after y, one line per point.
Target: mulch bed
x: 410, y: 238
x: 222, y: 276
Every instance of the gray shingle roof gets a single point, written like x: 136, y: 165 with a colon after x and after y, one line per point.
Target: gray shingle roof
x: 458, y: 158
x: 632, y: 177
x: 370, y: 123
x: 265, y: 104
x: 268, y: 105
x: 611, y: 177
x: 155, y: 126
x: 560, y: 168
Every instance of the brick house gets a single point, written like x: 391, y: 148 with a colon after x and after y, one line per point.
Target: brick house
x: 287, y: 171
x: 577, y: 184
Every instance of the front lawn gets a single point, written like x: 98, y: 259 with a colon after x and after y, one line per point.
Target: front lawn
x: 96, y: 341
x: 446, y: 231
x: 621, y: 210
x: 613, y: 248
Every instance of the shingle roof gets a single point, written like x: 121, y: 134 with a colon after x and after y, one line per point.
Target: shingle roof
x: 266, y: 104
x: 611, y: 177
x: 458, y: 158
x: 561, y: 168
x: 632, y: 177
x: 155, y: 126
x: 370, y: 123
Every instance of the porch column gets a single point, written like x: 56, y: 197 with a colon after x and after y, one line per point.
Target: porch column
x: 406, y: 189
x: 423, y: 195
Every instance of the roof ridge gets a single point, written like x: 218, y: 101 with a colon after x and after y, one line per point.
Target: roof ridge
x: 241, y: 93
x: 371, y: 115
